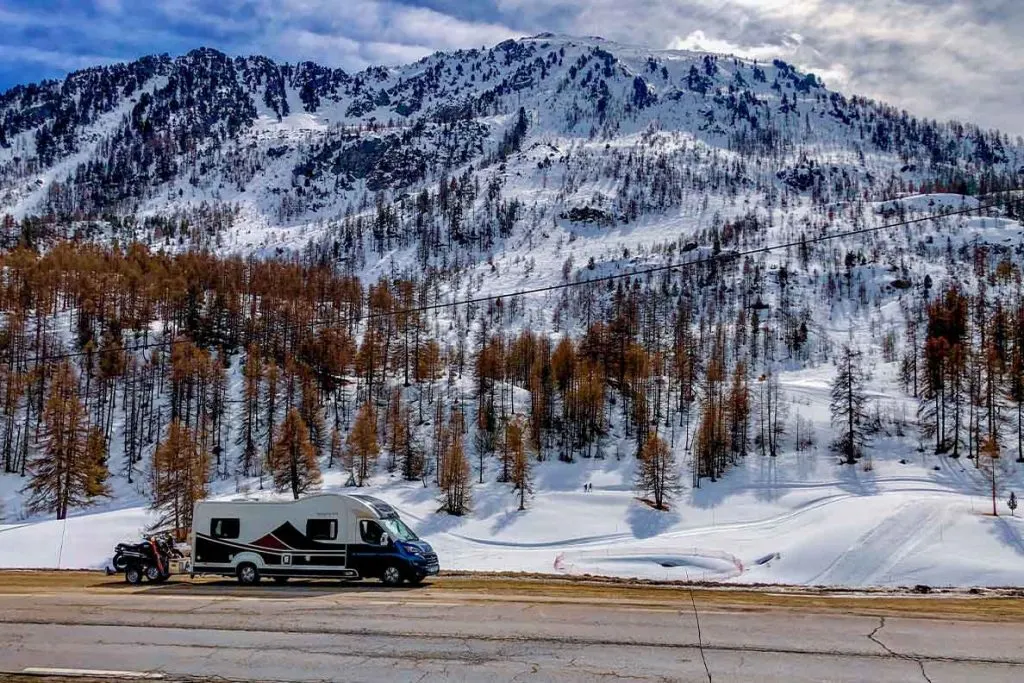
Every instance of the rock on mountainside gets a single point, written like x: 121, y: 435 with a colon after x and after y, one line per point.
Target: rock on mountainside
x: 248, y: 142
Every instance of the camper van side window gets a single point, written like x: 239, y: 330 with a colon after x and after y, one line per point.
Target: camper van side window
x: 224, y: 528
x: 321, y: 529
x: 370, y: 531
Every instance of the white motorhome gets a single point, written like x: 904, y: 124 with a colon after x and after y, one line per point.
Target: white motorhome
x: 322, y: 536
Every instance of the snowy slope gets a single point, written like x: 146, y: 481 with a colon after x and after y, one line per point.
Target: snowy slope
x: 795, y: 519
x: 669, y: 147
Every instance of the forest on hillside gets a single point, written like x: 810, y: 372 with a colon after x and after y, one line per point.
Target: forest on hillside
x: 173, y: 371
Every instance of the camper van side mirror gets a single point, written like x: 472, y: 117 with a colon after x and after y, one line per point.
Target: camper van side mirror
x: 384, y: 540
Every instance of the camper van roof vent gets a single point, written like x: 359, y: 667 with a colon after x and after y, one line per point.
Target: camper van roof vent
x: 378, y: 505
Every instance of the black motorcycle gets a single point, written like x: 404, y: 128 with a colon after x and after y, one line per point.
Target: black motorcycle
x: 149, y: 559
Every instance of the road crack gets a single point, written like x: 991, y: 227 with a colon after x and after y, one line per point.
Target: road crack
x: 873, y: 637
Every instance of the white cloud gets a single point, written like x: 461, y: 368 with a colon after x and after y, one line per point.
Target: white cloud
x: 790, y: 48
x: 937, y: 58
x: 697, y: 41
x: 53, y: 59
x: 384, y: 26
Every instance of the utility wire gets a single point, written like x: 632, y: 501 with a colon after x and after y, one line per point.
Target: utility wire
x: 722, y: 256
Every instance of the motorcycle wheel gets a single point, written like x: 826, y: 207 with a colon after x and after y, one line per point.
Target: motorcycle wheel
x: 152, y: 574
x: 133, y: 575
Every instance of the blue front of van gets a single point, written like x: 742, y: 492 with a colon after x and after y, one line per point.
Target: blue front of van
x: 392, y: 551
x: 420, y: 558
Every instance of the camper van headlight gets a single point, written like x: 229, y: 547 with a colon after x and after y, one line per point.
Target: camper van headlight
x: 412, y: 550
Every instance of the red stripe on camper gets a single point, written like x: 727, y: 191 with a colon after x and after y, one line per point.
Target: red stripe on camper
x: 271, y: 542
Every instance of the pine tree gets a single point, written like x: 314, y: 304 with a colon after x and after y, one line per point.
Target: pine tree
x: 70, y: 470
x: 1015, y: 392
x: 520, y: 470
x: 336, y: 449
x: 362, y: 444
x: 249, y: 433
x: 411, y: 454
x: 712, y: 440
x: 739, y: 410
x: 293, y: 462
x: 656, y: 471
x: 179, y: 477
x: 988, y: 459
x: 270, y: 407
x: 454, y: 478
x: 312, y: 413
x: 396, y: 428
x: 848, y: 407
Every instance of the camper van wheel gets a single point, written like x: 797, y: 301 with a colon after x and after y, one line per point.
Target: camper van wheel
x: 248, y: 574
x: 392, y: 576
x: 133, y: 576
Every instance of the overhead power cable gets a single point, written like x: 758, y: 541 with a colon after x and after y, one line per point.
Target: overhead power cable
x: 722, y: 256
x: 704, y: 260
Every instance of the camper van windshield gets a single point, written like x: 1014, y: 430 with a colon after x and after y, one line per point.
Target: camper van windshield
x: 398, y: 530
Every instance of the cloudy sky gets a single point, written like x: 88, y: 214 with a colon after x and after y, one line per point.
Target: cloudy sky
x: 938, y: 58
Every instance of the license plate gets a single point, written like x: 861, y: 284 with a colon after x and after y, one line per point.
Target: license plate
x: 433, y: 568
x: 180, y: 566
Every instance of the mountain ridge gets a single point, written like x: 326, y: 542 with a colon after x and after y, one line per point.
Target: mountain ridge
x: 296, y: 144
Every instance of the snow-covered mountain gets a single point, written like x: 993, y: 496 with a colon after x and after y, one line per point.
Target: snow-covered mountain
x: 553, y: 160
x: 287, y: 145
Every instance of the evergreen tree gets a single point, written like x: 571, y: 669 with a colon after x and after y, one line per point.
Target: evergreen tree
x: 454, y: 477
x: 849, y: 415
x: 179, y: 477
x: 988, y: 460
x: 520, y: 470
x: 336, y: 448
x: 271, y: 401
x: 293, y: 462
x: 312, y: 413
x: 397, y: 430
x: 656, y: 471
x: 739, y: 410
x: 362, y: 443
x: 69, y: 471
x: 411, y: 454
x: 712, y: 444
x: 252, y: 373
x: 1015, y: 392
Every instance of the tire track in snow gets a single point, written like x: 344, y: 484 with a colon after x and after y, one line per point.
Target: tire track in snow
x: 895, y: 537
x: 601, y: 539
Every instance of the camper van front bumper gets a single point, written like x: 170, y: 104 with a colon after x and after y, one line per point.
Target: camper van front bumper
x: 424, y: 564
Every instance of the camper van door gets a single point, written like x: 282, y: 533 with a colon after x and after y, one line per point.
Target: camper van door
x: 372, y: 550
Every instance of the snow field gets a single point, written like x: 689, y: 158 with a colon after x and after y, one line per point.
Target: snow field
x: 797, y: 519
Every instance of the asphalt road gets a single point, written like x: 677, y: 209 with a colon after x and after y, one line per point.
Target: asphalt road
x: 364, y: 633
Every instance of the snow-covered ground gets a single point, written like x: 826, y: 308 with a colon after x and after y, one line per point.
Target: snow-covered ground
x: 799, y: 518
